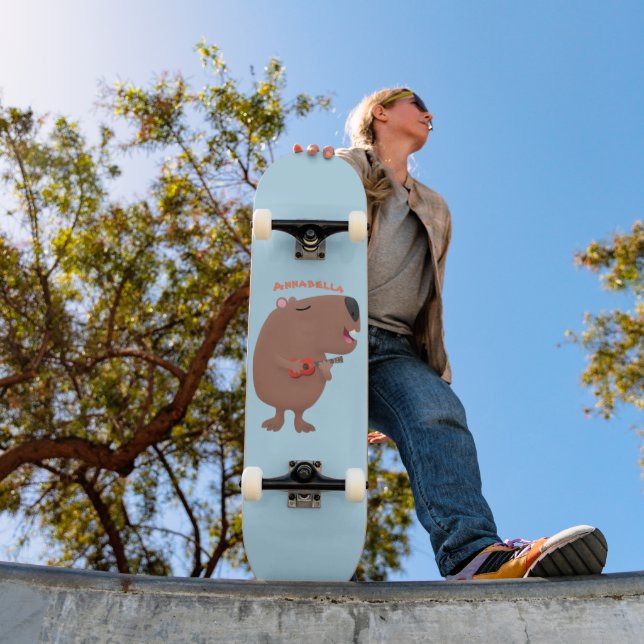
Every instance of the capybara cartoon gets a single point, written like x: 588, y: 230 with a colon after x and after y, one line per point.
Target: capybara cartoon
x: 290, y: 366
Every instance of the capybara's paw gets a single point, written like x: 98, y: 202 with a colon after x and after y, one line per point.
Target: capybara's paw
x: 273, y: 424
x: 325, y: 370
x: 302, y: 426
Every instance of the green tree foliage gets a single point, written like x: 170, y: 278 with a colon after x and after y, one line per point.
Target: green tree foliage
x: 122, y: 328
x: 614, y: 340
x: 389, y: 510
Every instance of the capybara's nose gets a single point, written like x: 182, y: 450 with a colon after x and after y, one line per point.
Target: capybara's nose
x: 353, y: 308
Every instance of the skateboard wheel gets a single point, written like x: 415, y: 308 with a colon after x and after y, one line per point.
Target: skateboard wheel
x: 262, y: 223
x: 355, y: 485
x: 357, y: 225
x: 251, y: 483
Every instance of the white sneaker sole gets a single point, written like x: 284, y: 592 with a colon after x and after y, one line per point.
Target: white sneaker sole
x: 581, y: 550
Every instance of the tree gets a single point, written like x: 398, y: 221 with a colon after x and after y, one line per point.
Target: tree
x: 615, y: 339
x: 122, y: 327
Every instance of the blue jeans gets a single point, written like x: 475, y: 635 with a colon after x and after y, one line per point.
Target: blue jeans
x: 411, y: 404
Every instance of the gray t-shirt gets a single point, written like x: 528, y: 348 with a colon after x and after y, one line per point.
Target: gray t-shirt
x: 400, y: 269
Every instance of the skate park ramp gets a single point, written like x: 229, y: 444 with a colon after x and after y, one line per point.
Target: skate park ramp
x: 44, y: 604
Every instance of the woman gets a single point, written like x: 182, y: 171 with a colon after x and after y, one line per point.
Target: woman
x: 410, y: 398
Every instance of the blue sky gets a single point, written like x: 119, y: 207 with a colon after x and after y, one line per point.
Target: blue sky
x: 537, y: 148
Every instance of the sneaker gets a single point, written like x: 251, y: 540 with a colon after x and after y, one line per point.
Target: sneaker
x: 580, y: 550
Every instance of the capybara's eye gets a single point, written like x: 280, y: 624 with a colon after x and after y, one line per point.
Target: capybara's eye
x: 306, y: 308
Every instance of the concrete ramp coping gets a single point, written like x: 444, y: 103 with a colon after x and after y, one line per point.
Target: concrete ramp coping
x: 44, y: 604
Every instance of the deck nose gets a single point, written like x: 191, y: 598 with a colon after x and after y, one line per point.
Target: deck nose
x: 353, y: 308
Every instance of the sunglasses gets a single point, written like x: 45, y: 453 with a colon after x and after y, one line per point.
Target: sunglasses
x: 417, y: 101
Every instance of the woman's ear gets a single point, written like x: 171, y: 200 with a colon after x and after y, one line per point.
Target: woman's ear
x: 379, y: 112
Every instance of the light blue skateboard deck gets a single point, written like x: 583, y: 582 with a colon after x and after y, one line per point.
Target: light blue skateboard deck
x: 307, y: 309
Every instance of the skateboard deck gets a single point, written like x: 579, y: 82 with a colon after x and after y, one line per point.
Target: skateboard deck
x: 306, y: 391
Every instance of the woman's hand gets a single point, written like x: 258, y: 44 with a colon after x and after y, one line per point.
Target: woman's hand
x: 376, y: 438
x: 327, y: 151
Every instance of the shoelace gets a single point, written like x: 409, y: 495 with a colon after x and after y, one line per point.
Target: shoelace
x: 515, y: 543
x: 494, y: 560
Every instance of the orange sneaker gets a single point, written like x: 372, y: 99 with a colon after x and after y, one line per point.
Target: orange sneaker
x: 580, y: 550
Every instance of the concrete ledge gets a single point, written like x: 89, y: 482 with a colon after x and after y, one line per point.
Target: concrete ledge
x: 41, y: 604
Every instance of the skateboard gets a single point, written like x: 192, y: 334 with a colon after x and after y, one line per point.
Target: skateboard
x: 304, y: 481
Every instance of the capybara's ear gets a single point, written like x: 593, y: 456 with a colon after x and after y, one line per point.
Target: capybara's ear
x: 281, y: 303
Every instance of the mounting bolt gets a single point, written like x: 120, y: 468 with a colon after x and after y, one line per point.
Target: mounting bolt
x: 304, y: 472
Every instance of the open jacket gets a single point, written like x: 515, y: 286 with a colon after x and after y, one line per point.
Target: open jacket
x: 433, y: 212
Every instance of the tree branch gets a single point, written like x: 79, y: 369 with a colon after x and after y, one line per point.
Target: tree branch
x: 211, y: 197
x: 196, y: 571
x: 32, y: 370
x: 122, y: 459
x: 149, y: 398
x: 117, y: 300
x: 105, y: 518
x: 45, y: 448
x: 77, y: 215
x: 100, y: 507
x: 224, y: 542
x: 179, y: 373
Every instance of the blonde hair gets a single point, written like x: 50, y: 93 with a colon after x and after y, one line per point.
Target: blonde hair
x: 359, y: 128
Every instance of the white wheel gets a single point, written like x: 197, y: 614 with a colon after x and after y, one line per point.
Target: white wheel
x: 355, y: 485
x: 357, y: 225
x: 251, y: 483
x: 262, y: 223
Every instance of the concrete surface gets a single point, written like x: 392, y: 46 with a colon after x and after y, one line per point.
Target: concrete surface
x: 41, y: 604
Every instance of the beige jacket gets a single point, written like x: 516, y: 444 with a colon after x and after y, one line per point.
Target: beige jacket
x: 433, y: 212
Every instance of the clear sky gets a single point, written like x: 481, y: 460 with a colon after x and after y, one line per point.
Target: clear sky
x: 537, y: 148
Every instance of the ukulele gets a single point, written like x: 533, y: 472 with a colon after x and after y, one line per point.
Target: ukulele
x: 308, y: 365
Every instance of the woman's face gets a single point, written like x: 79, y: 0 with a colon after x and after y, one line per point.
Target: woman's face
x: 406, y: 119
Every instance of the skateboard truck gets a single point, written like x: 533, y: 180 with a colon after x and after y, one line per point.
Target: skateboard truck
x: 310, y: 235
x: 304, y: 482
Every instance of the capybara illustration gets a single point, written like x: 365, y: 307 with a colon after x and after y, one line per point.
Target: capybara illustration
x: 290, y: 366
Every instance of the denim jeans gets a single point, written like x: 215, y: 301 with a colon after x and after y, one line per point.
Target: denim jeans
x: 411, y: 404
